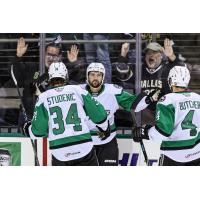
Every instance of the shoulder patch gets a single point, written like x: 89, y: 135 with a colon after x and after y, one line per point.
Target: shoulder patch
x: 117, y: 86
x: 162, y: 99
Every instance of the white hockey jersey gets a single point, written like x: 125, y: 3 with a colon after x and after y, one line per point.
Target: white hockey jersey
x: 112, y: 97
x: 61, y: 115
x: 178, y: 126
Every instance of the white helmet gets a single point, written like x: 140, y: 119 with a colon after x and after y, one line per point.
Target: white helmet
x: 58, y: 70
x: 95, y: 67
x: 179, y: 76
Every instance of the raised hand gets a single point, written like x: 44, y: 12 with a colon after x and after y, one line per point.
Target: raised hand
x: 73, y: 53
x: 125, y: 49
x: 168, y: 49
x: 21, y: 47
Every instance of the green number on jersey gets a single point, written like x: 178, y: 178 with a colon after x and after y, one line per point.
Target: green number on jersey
x: 57, y: 120
x: 72, y: 118
x: 187, y: 123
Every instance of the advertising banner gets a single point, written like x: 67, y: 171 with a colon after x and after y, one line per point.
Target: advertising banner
x: 10, y: 153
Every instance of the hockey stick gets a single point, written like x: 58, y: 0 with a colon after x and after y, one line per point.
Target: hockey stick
x: 25, y: 116
x: 141, y: 142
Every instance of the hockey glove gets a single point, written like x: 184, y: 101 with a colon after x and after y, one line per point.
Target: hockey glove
x: 104, y: 134
x: 25, y: 128
x: 153, y: 96
x: 140, y: 133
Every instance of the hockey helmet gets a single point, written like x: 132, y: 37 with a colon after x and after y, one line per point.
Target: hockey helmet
x: 179, y: 76
x: 58, y: 70
x: 95, y: 67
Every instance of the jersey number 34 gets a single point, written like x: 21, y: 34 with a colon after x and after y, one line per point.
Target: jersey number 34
x: 72, y: 118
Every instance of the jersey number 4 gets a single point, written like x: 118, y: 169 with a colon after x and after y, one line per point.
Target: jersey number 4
x: 72, y: 118
x: 187, y: 123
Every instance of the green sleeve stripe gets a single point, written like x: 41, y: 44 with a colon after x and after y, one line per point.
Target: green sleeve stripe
x: 161, y: 132
x: 40, y: 121
x: 94, y: 109
x: 38, y: 134
x: 125, y: 100
x: 165, y: 116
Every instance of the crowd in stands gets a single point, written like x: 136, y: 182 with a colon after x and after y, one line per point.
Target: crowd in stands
x: 119, y: 60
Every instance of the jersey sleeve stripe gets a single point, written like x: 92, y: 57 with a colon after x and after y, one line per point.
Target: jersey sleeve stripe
x: 162, y: 132
x: 101, y: 122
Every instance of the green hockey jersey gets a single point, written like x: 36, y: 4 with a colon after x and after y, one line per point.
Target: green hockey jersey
x: 178, y: 126
x: 60, y: 115
x: 112, y: 97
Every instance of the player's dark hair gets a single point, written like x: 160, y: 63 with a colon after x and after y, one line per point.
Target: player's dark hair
x: 57, y: 82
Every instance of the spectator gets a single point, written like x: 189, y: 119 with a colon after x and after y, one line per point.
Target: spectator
x: 98, y: 52
x: 154, y: 71
x: 29, y: 77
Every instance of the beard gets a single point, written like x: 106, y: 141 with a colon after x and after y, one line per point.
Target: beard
x: 94, y: 84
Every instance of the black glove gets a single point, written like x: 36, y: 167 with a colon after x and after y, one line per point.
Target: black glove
x: 25, y: 128
x: 153, y: 96
x: 140, y: 133
x: 104, y: 134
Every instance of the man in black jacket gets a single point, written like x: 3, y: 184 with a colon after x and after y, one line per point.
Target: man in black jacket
x: 29, y: 77
x: 157, y: 63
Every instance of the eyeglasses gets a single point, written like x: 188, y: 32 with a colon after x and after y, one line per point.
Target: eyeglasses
x: 51, y: 55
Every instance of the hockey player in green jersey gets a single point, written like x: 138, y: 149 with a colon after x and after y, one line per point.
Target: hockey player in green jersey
x: 60, y: 115
x: 111, y: 97
x: 177, y: 122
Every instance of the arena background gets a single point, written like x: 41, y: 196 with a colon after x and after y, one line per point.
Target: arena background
x: 170, y: 16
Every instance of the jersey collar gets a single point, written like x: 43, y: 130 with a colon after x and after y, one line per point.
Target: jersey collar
x: 152, y: 71
x: 182, y: 92
x: 95, y: 93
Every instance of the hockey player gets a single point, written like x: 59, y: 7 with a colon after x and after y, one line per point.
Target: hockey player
x: 28, y: 76
x: 177, y: 122
x: 111, y: 97
x: 60, y: 114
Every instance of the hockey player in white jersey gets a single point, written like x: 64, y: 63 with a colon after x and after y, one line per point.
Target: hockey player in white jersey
x: 60, y: 115
x: 111, y: 97
x: 177, y: 122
